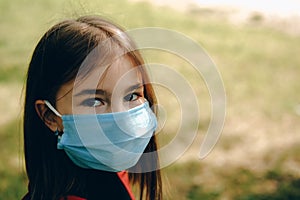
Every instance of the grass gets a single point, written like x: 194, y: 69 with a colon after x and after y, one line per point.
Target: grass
x: 188, y: 182
x: 13, y: 180
x: 257, y: 156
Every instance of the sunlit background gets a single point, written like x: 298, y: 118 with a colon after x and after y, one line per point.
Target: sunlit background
x: 255, y: 46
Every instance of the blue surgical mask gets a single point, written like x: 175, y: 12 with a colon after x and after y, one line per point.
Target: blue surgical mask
x: 109, y: 141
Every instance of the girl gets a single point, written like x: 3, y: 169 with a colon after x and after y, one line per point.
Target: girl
x: 87, y: 117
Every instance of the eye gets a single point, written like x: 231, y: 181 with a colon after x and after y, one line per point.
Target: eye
x: 93, y: 102
x: 132, y: 97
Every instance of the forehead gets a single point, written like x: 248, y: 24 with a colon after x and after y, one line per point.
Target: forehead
x: 121, y: 73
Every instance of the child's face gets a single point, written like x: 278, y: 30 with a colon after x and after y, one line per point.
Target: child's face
x: 119, y: 89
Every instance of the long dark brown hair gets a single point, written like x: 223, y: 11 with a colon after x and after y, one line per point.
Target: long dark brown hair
x: 56, y: 61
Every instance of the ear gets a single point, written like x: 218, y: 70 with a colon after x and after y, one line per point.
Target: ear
x: 53, y: 122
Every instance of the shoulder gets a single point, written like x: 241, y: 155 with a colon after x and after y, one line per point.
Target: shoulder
x: 69, y: 197
x: 72, y: 197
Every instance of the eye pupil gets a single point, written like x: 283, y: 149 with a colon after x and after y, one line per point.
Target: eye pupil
x: 131, y: 97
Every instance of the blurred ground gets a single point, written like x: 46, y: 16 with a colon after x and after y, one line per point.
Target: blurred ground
x: 283, y: 15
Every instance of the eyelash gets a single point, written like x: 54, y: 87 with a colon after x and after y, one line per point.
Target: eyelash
x: 92, y: 101
x: 128, y: 97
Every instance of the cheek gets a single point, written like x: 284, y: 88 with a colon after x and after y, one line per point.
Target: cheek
x: 136, y: 103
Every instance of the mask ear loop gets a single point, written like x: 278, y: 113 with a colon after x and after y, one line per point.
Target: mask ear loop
x: 52, y: 108
x: 56, y: 133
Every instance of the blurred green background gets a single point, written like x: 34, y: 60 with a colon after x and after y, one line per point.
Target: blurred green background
x: 257, y: 156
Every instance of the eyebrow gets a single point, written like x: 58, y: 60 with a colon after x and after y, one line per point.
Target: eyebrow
x: 103, y: 92
x: 134, y: 87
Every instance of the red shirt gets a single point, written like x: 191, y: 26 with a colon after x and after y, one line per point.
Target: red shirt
x: 123, y: 175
